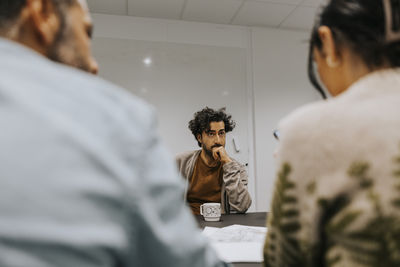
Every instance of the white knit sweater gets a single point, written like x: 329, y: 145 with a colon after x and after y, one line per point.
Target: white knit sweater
x: 337, y: 195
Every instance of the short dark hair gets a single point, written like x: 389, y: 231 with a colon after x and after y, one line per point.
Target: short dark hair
x: 203, y: 118
x: 11, y: 9
x: 361, y: 26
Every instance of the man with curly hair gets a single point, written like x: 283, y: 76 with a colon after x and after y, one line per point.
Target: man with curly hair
x: 211, y: 175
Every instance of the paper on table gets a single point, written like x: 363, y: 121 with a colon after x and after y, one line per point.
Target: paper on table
x: 237, y: 243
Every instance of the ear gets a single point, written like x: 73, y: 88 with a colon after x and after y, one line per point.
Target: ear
x: 329, y: 47
x: 198, y: 137
x: 44, y: 19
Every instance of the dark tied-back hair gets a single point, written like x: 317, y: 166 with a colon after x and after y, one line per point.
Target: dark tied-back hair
x: 11, y: 9
x: 370, y: 28
x: 203, y: 118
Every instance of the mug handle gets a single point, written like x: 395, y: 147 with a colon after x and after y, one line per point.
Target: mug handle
x: 201, y: 209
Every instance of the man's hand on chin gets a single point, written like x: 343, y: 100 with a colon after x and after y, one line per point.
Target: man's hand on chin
x: 220, y: 154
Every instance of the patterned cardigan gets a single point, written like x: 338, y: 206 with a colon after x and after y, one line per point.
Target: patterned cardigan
x: 337, y: 194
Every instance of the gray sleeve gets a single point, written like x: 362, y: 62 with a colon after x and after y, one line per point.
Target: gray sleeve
x: 164, y: 232
x: 236, y: 180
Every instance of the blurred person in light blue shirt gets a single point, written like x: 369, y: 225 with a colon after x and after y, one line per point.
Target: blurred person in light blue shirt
x: 84, y: 178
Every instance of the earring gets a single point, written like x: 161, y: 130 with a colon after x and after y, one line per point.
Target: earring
x: 331, y: 64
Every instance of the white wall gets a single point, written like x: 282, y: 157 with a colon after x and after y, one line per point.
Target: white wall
x: 259, y: 74
x: 280, y: 85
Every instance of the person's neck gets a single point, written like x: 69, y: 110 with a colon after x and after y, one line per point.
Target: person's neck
x: 209, y: 161
x: 23, y: 35
x: 354, y: 69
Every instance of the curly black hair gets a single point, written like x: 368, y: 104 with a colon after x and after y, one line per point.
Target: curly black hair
x: 203, y: 118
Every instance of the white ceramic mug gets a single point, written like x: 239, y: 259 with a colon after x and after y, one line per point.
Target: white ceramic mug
x: 211, y: 211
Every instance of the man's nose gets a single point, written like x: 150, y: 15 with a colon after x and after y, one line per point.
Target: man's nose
x: 218, y: 140
x: 94, y: 66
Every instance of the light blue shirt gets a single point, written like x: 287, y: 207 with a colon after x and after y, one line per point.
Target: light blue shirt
x: 84, y: 178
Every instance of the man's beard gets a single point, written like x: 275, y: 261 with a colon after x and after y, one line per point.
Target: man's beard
x: 64, y: 49
x: 209, y: 152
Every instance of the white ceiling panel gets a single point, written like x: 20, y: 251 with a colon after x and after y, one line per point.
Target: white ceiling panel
x: 214, y: 11
x: 301, y: 18
x: 293, y: 14
x: 114, y: 7
x: 262, y: 14
x: 164, y: 9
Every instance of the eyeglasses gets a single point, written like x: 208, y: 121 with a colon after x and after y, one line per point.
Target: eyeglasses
x: 276, y: 134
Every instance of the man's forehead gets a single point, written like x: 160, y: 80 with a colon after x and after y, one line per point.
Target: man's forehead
x: 217, y: 125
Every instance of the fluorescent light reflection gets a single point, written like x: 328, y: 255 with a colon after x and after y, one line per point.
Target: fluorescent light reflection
x: 147, y: 61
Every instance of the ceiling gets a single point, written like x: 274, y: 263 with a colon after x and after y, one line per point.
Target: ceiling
x: 288, y: 14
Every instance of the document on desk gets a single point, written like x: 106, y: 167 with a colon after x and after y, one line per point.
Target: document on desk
x: 237, y: 243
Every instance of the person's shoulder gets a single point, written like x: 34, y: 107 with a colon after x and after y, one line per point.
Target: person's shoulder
x: 319, y: 129
x: 186, y: 155
x: 303, y: 119
x: 315, y: 127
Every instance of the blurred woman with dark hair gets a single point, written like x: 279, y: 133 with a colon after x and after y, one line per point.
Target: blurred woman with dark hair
x: 337, y: 194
